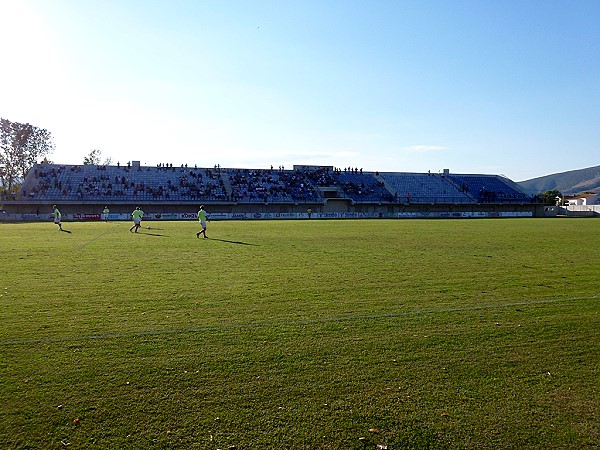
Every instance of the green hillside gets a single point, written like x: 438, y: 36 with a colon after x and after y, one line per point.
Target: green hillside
x: 571, y: 182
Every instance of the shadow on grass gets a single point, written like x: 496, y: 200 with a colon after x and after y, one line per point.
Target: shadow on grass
x: 231, y: 242
x: 66, y: 231
x: 151, y: 234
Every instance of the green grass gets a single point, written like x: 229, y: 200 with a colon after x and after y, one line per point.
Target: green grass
x: 414, y: 334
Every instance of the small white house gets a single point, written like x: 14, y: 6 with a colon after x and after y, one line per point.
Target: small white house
x: 585, y: 200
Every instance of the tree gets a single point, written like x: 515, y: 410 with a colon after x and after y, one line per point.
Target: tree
x: 550, y: 197
x: 93, y: 158
x: 21, y: 145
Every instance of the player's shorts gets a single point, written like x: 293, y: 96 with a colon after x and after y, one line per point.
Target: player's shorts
x: 57, y: 221
x: 203, y: 223
x: 137, y: 221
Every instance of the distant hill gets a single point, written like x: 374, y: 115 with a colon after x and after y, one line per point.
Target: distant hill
x: 568, y: 183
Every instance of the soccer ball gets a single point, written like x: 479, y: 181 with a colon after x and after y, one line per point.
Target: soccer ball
x: 148, y: 227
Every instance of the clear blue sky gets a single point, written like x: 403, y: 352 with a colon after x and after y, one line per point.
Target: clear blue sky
x: 505, y: 87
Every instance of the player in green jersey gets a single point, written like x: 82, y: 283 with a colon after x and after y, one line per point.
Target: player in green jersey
x: 203, y: 218
x: 57, y: 217
x: 137, y: 215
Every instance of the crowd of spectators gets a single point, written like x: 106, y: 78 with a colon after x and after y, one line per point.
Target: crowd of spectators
x: 124, y: 182
x: 250, y: 185
x: 300, y: 185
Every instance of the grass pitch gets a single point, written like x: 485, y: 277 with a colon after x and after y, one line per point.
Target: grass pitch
x: 410, y: 334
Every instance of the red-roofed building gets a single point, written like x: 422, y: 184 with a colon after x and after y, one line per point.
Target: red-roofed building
x: 585, y: 200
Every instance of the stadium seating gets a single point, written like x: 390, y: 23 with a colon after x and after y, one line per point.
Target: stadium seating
x: 362, y: 186
x: 488, y: 188
x: 90, y: 182
x: 424, y: 188
x: 77, y: 183
x: 270, y: 186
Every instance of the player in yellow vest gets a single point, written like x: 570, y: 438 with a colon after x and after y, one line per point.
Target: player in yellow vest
x: 57, y: 217
x: 137, y: 215
x: 202, y: 217
x: 105, y: 213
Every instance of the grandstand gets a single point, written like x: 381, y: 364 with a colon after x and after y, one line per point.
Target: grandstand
x: 323, y: 189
